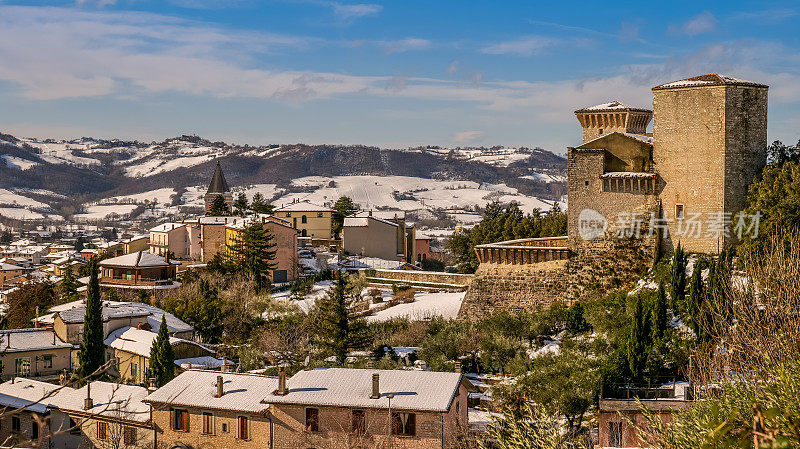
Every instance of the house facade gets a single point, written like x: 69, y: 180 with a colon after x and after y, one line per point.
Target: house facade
x: 37, y: 353
x: 284, y: 237
x: 138, y: 270
x: 373, y: 234
x: 310, y: 220
x: 180, y: 240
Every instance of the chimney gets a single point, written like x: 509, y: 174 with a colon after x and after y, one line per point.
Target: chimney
x: 8, y: 339
x: 458, y: 366
x: 152, y: 385
x: 224, y: 368
x: 281, y: 382
x: 87, y: 403
x: 54, y: 338
x: 376, y: 389
x: 36, y: 321
x: 220, y: 387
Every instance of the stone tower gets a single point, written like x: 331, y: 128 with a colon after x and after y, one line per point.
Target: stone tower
x: 218, y: 187
x: 710, y: 138
x: 614, y: 116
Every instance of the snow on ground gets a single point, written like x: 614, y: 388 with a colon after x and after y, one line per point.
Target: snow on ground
x: 425, y: 306
x: 61, y: 152
x: 101, y: 211
x: 18, y: 163
x: 41, y: 192
x: 11, y: 198
x: 158, y: 165
x: 268, y: 191
x: 162, y: 196
x: 17, y: 213
x: 546, y: 177
x: 319, y: 291
x: 410, y: 193
x: 194, y: 196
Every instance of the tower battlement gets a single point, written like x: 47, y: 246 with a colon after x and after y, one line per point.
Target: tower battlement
x: 611, y: 117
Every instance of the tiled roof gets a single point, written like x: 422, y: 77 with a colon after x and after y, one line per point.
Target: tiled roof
x: 33, y: 395
x: 346, y: 387
x: 711, y: 79
x: 195, y: 388
x: 139, y: 259
x: 109, y: 399
x: 29, y: 340
x: 138, y: 341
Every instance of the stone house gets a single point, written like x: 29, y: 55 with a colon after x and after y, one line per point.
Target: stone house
x: 136, y: 243
x: 33, y: 353
x: 284, y: 237
x: 107, y: 415
x: 213, y: 235
x: 330, y: 408
x: 139, y: 270
x: 179, y: 239
x: 9, y: 271
x: 130, y: 347
x: 27, y: 419
x: 311, y: 220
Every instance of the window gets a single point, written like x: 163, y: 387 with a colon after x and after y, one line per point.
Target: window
x: 180, y: 420
x: 319, y: 214
x: 224, y: 427
x: 15, y: 423
x: 404, y: 424
x: 47, y: 361
x: 34, y: 429
x: 359, y: 422
x: 102, y: 430
x: 601, y: 131
x: 23, y: 366
x: 129, y: 436
x: 288, y: 214
x: 615, y: 437
x: 135, y: 370
x: 586, y: 183
x: 312, y: 420
x: 303, y: 219
x: 208, y: 423
x: 244, y: 428
x: 303, y: 233
x: 679, y: 214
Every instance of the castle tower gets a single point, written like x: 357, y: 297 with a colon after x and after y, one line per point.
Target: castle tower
x: 710, y: 138
x: 218, y: 187
x: 614, y: 116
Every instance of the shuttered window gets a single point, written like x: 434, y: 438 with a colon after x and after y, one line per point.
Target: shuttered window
x: 129, y: 436
x: 179, y: 420
x: 244, y: 428
x: 102, y: 430
x: 208, y: 423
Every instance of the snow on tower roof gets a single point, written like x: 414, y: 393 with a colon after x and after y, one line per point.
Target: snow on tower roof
x: 612, y: 106
x: 711, y: 79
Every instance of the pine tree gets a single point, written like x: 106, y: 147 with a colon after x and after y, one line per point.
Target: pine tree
x: 162, y: 357
x: 69, y: 287
x: 240, y: 205
x: 343, y: 207
x: 575, y: 321
x: 219, y: 207
x: 678, y: 279
x: 337, y: 332
x: 253, y: 253
x: 79, y: 244
x: 660, y: 313
x: 639, y: 344
x: 92, y: 351
x: 260, y: 205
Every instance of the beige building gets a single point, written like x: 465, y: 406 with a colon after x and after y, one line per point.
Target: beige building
x: 213, y: 235
x: 8, y: 272
x: 328, y: 408
x: 139, y: 271
x: 33, y: 353
x: 309, y: 219
x: 389, y: 238
x: 179, y: 239
x: 27, y: 415
x: 284, y: 236
x: 687, y: 181
x: 130, y: 348
x: 136, y: 244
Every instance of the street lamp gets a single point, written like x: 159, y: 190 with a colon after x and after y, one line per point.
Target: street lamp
x: 391, y: 423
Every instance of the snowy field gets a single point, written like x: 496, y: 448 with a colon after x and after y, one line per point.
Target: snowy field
x: 100, y: 211
x: 18, y: 163
x: 161, y: 196
x: 17, y: 213
x: 8, y: 197
x: 426, y: 305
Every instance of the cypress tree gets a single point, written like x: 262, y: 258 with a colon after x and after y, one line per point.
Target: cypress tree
x: 92, y: 351
x: 639, y: 344
x: 336, y: 330
x: 162, y: 357
x: 678, y: 280
x: 69, y: 287
x: 660, y: 319
x: 253, y: 253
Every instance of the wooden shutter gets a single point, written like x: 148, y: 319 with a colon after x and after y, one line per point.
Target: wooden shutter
x: 411, y: 424
x: 243, y: 434
x: 172, y: 419
x: 185, y: 414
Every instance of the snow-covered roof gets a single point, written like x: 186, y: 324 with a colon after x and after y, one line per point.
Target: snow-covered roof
x: 136, y: 237
x: 118, y: 309
x: 711, y: 79
x: 32, y: 395
x: 139, y: 259
x: 347, y: 387
x: 203, y: 362
x: 78, y: 314
x: 196, y: 388
x: 109, y: 399
x: 20, y: 340
x: 9, y: 267
x: 627, y: 175
x: 363, y: 221
x: 138, y: 341
x: 612, y: 106
x: 167, y: 227
x: 303, y: 206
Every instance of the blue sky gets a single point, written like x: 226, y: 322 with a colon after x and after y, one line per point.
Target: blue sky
x: 394, y: 74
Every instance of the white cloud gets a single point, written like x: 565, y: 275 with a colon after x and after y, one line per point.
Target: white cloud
x: 98, y: 3
x: 699, y: 24
x: 403, y: 45
x: 452, y: 68
x: 526, y: 46
x: 350, y: 12
x: 468, y: 137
